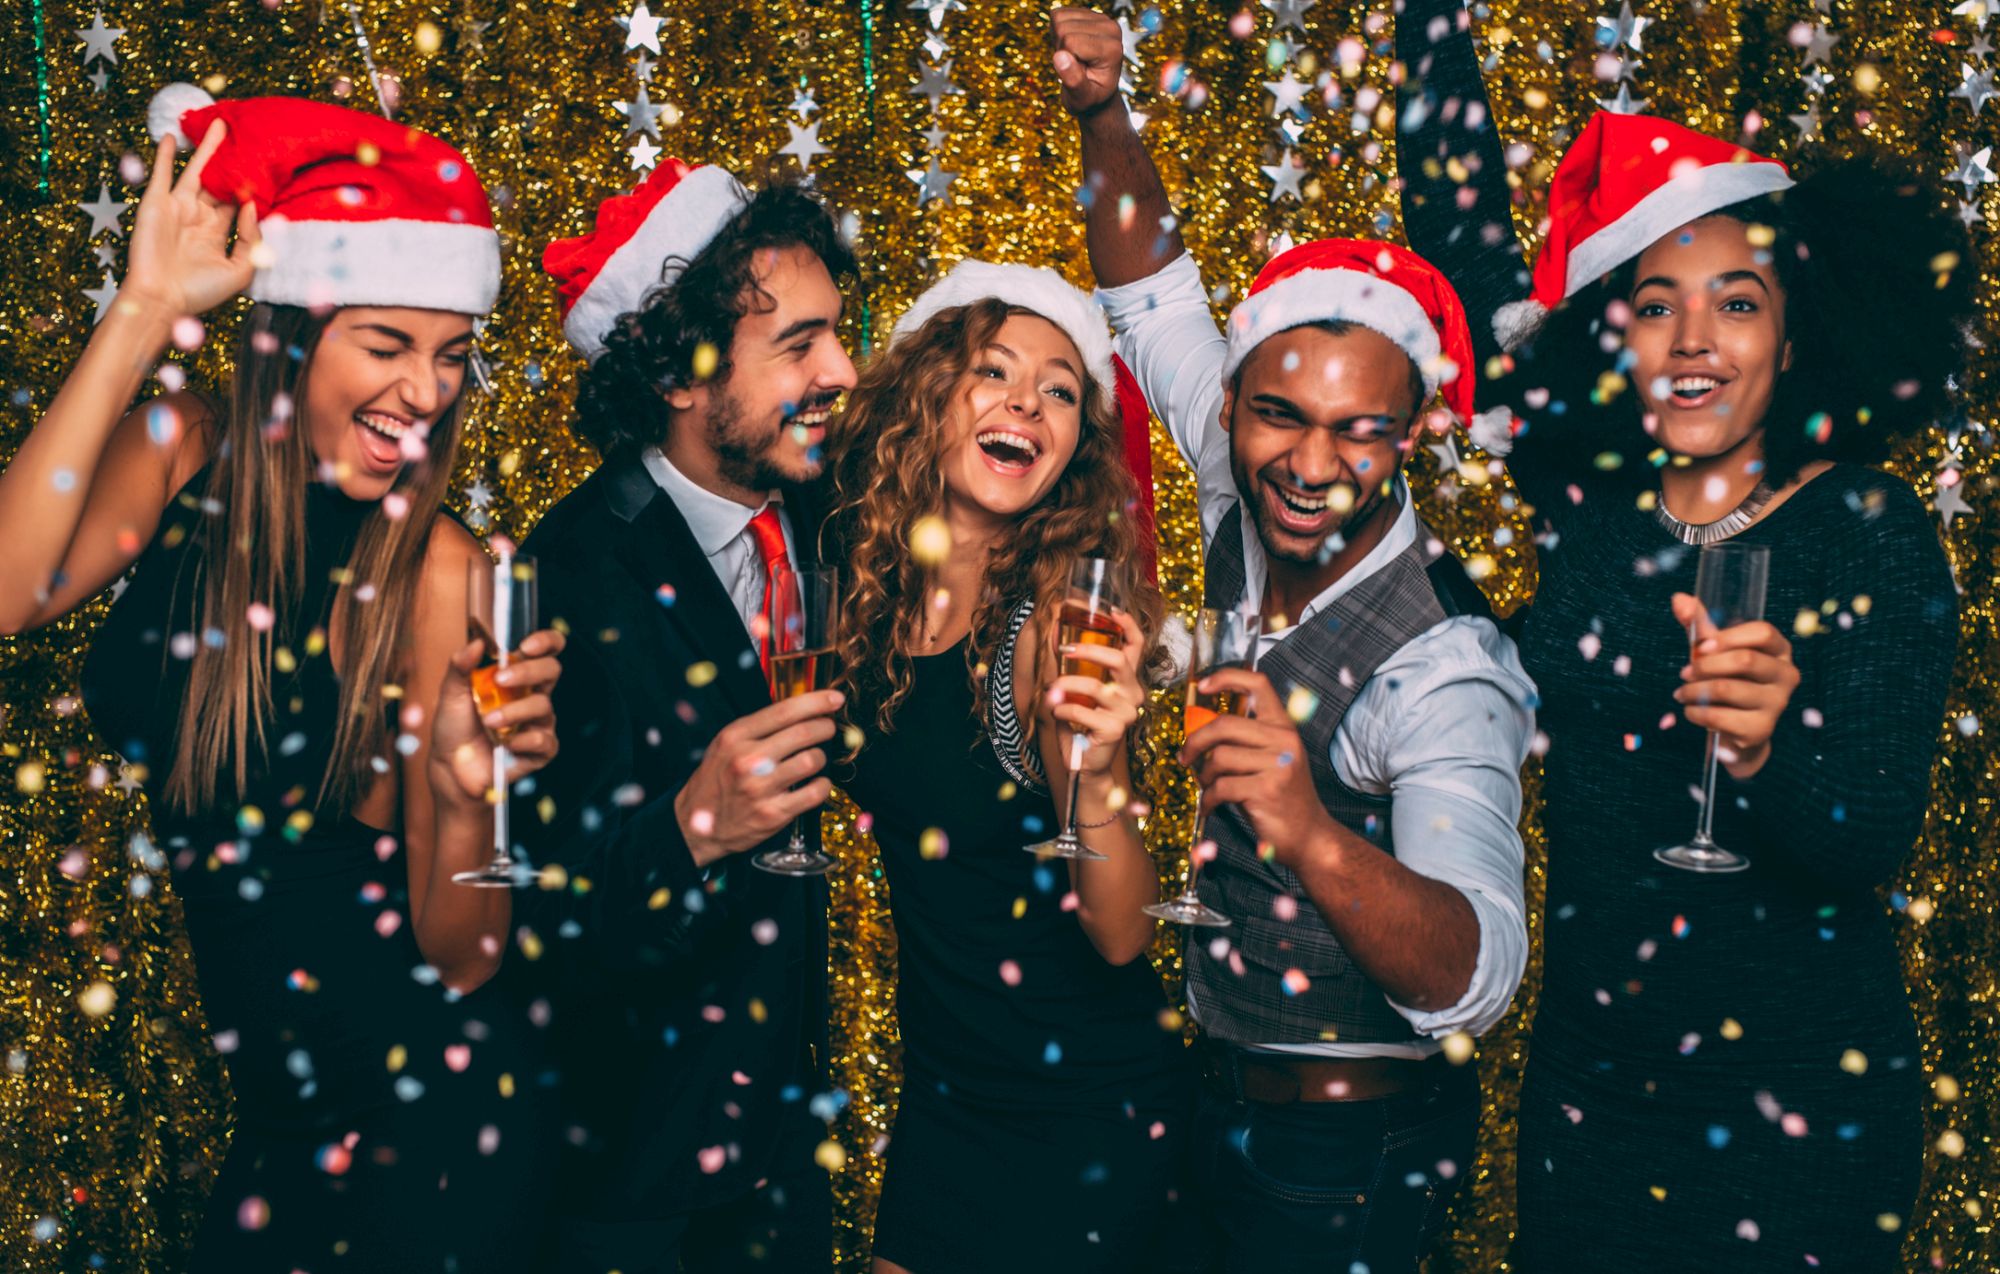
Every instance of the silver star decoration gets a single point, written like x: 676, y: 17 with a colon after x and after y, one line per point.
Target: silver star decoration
x: 1624, y: 29
x: 1129, y: 36
x: 128, y: 776
x: 1819, y: 45
x: 1977, y: 10
x: 805, y: 144
x: 1446, y: 452
x: 643, y: 154
x: 97, y: 40
x: 1285, y: 176
x: 104, y: 212
x: 107, y: 256
x: 1969, y: 214
x: 478, y: 495
x: 1950, y: 503
x: 98, y: 79
x: 1816, y: 80
x: 1976, y: 87
x: 936, y: 10
x: 1624, y: 103
x: 935, y: 83
x: 1981, y: 47
x: 472, y: 34
x: 1973, y: 170
x: 1291, y: 129
x: 935, y: 46
x: 641, y: 116
x: 933, y: 136
x: 803, y: 104
x: 641, y: 28
x: 1807, y: 124
x: 642, y: 70
x: 1288, y: 13
x: 103, y: 294
x: 932, y: 181
x: 1288, y: 95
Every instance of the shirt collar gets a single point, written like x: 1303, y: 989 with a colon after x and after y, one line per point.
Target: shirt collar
x: 716, y: 520
x: 1401, y: 534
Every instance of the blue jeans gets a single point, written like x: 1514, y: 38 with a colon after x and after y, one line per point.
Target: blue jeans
x: 1354, y: 1187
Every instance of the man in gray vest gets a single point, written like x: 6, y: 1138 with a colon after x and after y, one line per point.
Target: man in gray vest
x: 1364, y: 812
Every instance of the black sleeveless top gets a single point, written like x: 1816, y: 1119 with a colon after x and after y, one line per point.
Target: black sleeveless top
x: 299, y: 922
x: 1002, y: 998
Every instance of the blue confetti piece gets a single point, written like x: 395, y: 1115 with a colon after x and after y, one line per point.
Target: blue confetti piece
x: 1718, y: 1136
x: 1052, y: 1054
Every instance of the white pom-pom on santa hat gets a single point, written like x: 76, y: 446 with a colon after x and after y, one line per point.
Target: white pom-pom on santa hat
x: 1515, y: 323
x: 163, y: 113
x: 1493, y: 430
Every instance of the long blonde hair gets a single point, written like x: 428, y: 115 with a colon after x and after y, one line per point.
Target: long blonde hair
x: 886, y: 462
x: 252, y: 551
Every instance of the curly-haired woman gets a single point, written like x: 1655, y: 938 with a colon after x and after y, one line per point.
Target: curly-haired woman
x: 1044, y: 1084
x: 1724, y: 1070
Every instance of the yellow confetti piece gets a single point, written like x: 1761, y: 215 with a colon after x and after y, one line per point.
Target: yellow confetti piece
x: 1945, y: 1087
x: 930, y: 540
x: 1658, y: 1192
x: 506, y: 1084
x: 30, y: 777
x: 1867, y: 79
x: 933, y: 844
x: 1731, y: 1029
x: 1854, y: 1062
x: 830, y: 1155
x: 97, y: 999
x: 1951, y: 1143
x: 530, y: 943
x: 1458, y: 1048
x: 1806, y: 623
x: 1920, y: 909
x: 758, y: 1013
x: 700, y: 674
x: 1301, y: 704
x: 1020, y: 908
x: 398, y: 1055
x: 429, y: 39
x: 706, y: 356
x: 1888, y: 1223
x: 553, y: 876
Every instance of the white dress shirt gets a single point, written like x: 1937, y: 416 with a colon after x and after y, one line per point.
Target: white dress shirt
x: 721, y: 527
x: 1441, y: 728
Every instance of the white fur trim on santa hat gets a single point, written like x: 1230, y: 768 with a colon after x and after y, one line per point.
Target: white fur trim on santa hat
x: 1030, y: 287
x: 1493, y: 430
x: 1687, y: 197
x: 163, y: 113
x: 1348, y: 296
x: 1515, y: 323
x: 684, y: 221
x: 429, y: 265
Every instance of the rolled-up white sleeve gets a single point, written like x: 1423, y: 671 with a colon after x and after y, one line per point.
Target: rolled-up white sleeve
x: 1167, y: 336
x: 1442, y: 729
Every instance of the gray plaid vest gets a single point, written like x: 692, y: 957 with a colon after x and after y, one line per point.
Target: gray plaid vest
x: 1241, y: 995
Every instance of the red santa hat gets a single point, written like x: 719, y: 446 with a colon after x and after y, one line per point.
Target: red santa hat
x: 1379, y: 286
x: 1627, y: 182
x: 639, y: 241
x: 354, y: 209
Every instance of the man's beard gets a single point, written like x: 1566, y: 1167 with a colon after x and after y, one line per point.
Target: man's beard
x: 742, y: 452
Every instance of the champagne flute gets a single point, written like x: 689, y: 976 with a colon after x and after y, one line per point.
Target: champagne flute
x: 1086, y: 620
x: 500, y: 606
x: 1222, y: 639
x: 799, y: 613
x: 1729, y: 583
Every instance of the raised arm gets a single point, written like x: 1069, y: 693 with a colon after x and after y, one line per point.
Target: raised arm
x: 85, y: 490
x: 1448, y: 154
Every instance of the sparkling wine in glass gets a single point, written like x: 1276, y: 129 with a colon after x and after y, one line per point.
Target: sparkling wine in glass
x: 500, y: 610
x: 799, y: 613
x: 1086, y: 619
x: 1729, y: 583
x: 1222, y: 639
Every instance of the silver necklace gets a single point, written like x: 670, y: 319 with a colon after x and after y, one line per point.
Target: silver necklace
x: 1722, y: 528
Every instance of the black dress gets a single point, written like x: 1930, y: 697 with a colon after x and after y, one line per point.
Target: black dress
x: 1723, y: 1071
x: 1044, y: 1101
x: 381, y: 1123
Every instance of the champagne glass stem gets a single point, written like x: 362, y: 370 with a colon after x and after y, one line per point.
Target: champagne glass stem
x: 1705, y: 829
x: 502, y: 837
x: 1075, y: 778
x: 798, y: 845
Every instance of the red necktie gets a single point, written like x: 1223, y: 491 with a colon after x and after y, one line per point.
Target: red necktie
x: 780, y: 592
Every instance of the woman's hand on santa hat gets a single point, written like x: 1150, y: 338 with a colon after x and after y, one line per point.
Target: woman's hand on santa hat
x: 181, y: 258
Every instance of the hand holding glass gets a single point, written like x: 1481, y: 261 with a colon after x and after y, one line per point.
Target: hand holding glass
x: 1086, y: 620
x: 1729, y: 584
x: 500, y: 608
x: 1222, y: 639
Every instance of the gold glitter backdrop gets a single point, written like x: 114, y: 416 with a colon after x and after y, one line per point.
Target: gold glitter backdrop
x: 112, y: 1108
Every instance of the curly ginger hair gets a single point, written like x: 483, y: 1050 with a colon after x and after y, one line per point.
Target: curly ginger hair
x: 886, y: 462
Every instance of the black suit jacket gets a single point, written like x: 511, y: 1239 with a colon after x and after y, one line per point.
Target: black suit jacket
x: 688, y: 1010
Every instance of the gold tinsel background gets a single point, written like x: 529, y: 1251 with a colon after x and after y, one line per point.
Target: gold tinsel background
x: 112, y: 1120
